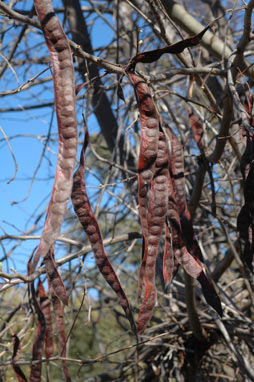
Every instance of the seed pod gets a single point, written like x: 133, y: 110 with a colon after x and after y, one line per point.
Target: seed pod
x: 46, y: 311
x: 65, y: 100
x: 157, y: 210
x: 15, y: 356
x: 90, y: 225
x: 170, y: 264
x: 149, y: 137
x: 35, y: 374
x: 154, y: 55
x: 54, y: 276
x: 178, y: 181
x: 183, y: 230
x: 59, y: 320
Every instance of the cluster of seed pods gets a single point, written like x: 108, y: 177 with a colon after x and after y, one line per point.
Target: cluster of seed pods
x: 65, y: 98
x: 43, y: 340
x: 163, y: 207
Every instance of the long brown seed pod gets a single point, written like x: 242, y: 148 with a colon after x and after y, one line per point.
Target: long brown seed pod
x: 158, y: 203
x: 149, y: 137
x: 90, y: 225
x: 63, y: 77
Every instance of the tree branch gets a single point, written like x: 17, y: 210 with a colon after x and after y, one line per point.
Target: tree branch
x: 212, y: 43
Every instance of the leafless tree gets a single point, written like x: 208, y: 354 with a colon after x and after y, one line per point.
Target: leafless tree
x: 203, y: 92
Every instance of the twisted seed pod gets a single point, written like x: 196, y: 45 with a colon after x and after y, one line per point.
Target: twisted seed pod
x: 35, y: 374
x: 46, y: 311
x: 15, y: 356
x: 191, y: 245
x: 183, y: 257
x: 154, y: 55
x: 89, y: 223
x: 149, y: 124
x: 59, y: 320
x: 54, y: 276
x: 178, y: 181
x: 191, y: 264
x: 63, y: 77
x: 174, y: 206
